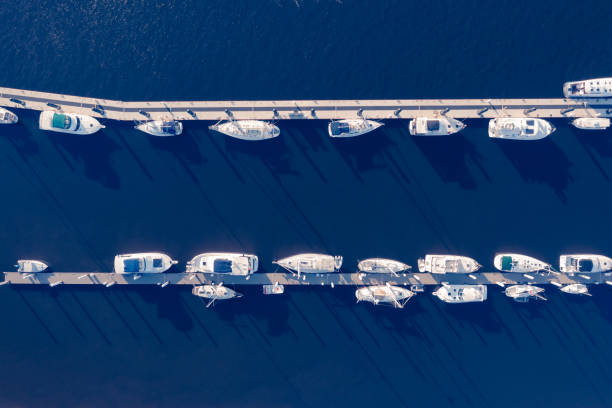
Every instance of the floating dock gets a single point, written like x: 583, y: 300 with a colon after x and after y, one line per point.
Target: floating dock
x: 306, y: 109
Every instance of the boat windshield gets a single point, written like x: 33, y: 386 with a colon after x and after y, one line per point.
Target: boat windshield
x: 585, y: 265
x: 60, y: 121
x: 433, y: 125
x: 222, y: 266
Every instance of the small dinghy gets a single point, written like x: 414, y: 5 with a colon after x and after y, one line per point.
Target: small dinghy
x: 30, y: 266
x: 381, y: 265
x: 247, y: 129
x: 7, y: 117
x: 214, y: 293
x: 68, y: 123
x: 441, y: 126
x: 591, y: 123
x: 522, y: 293
x: 576, y: 289
x: 161, y: 128
x: 395, y: 296
x: 351, y: 127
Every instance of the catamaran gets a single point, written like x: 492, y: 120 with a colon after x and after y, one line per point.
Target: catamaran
x: 522, y: 293
x: 214, y: 293
x: 440, y: 126
x: 247, y: 129
x: 30, y: 266
x: 519, y: 263
x: 589, y: 88
x: 311, y: 263
x: 161, y: 127
x: 448, y: 264
x: 381, y: 265
x: 351, y: 127
x: 395, y: 296
x: 7, y: 117
x: 591, y: 123
x: 584, y: 263
x: 519, y: 128
x: 461, y: 293
x: 224, y: 263
x: 68, y: 123
x: 145, y: 262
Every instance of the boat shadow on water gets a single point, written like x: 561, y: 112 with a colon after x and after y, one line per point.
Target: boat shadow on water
x: 597, y: 144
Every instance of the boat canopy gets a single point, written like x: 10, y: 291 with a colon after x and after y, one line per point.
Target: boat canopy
x: 61, y: 121
x: 506, y: 263
x: 433, y: 125
x: 338, y: 128
x: 585, y: 265
x: 222, y: 266
x: 170, y: 128
x: 131, y: 265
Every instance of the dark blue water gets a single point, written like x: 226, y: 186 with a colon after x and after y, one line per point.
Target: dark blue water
x: 77, y: 201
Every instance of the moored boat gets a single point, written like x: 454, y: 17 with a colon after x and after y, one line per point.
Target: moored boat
x: 395, y: 296
x: 214, y: 293
x: 68, y: 123
x: 381, y: 265
x: 591, y: 123
x: 519, y: 263
x: 7, y: 117
x: 226, y: 263
x: 584, y: 263
x: 247, y: 129
x: 447, y: 264
x: 311, y: 263
x: 161, y: 128
x: 440, y: 126
x: 461, y: 293
x: 144, y: 262
x: 351, y: 127
x: 520, y: 128
x: 576, y: 289
x: 588, y: 88
x: 522, y: 293
x: 30, y: 266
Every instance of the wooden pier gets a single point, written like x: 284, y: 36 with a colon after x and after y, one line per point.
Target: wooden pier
x: 306, y: 109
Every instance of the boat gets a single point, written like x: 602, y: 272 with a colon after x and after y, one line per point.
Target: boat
x: 247, y: 129
x: 7, y: 117
x: 351, y: 127
x: 519, y: 128
x: 448, y: 264
x: 273, y: 289
x: 584, y: 263
x: 311, y: 263
x: 224, y: 263
x: 214, y: 293
x: 30, y: 266
x: 522, y: 293
x: 440, y: 126
x: 381, y: 265
x: 588, y: 88
x: 576, y: 289
x: 68, y: 123
x: 591, y: 123
x: 161, y: 128
x: 395, y: 296
x: 461, y: 293
x: 519, y: 263
x: 145, y: 262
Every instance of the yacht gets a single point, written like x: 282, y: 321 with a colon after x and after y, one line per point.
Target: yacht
x: 591, y: 123
x: 522, y: 293
x: 7, y: 117
x: 214, y: 292
x: 461, y: 293
x: 311, y: 263
x: 145, y: 262
x: 576, y: 289
x: 440, y: 126
x: 589, y: 88
x: 161, y: 128
x: 351, y: 127
x: 247, y: 129
x: 68, y: 123
x: 30, y: 266
x: 519, y: 263
x: 448, y: 264
x: 225, y: 263
x: 584, y: 263
x: 519, y: 128
x: 395, y: 296
x: 381, y: 265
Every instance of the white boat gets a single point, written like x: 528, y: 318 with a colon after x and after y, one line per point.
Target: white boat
x: 273, y: 289
x: 214, y: 293
x: 68, y: 123
x: 522, y: 293
x: 7, y: 117
x: 351, y: 127
x: 461, y: 293
x: 161, y: 128
x: 395, y: 296
x: 584, y: 263
x: 519, y: 263
x: 576, y: 289
x: 520, y: 128
x: 440, y: 126
x: 589, y: 88
x: 247, y: 129
x: 311, y: 263
x: 30, y: 266
x: 591, y: 123
x: 381, y: 265
x: 224, y: 263
x: 448, y: 264
x: 145, y: 262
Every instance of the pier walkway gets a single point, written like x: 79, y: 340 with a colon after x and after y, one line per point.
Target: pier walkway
x: 305, y: 109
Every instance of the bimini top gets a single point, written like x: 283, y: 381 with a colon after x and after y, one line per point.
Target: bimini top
x: 61, y: 121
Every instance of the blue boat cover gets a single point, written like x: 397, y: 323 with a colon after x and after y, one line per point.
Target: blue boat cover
x: 338, y: 128
x: 130, y: 265
x: 222, y: 266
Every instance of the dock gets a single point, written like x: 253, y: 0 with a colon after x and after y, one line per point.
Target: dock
x: 305, y: 109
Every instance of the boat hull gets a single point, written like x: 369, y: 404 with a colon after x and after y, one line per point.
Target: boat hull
x: 143, y: 263
x: 461, y: 293
x: 224, y: 263
x: 7, y: 117
x: 442, y: 264
x: 519, y: 263
x: 160, y: 128
x: 384, y: 294
x: 584, y: 263
x: 311, y: 263
x: 78, y: 124
x: 353, y: 127
x: 440, y: 126
x: 591, y: 123
x: 250, y: 130
x: 381, y: 265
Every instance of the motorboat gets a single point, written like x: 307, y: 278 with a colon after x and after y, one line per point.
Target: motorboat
x: 584, y: 263
x: 520, y: 128
x: 7, y: 117
x: 522, y: 293
x: 214, y: 293
x: 311, y: 263
x: 247, y: 129
x: 381, y: 265
x: 395, y: 296
x: 439, y: 126
x: 591, y: 123
x: 461, y: 293
x: 161, y: 127
x: 273, y: 289
x: 30, y: 266
x: 576, y: 289
x: 519, y: 263
x: 588, y: 88
x: 145, y: 262
x: 224, y: 263
x: 351, y: 127
x: 68, y: 123
x: 448, y: 264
